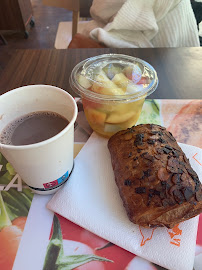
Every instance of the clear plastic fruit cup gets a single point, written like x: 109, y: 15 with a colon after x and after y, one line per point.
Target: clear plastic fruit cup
x: 113, y: 88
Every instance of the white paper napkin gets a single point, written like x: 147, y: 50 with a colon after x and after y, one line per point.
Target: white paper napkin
x: 91, y: 199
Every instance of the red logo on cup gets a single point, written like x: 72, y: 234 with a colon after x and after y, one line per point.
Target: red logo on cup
x: 50, y: 184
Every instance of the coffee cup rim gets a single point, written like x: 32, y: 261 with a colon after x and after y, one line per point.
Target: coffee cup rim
x: 42, y: 143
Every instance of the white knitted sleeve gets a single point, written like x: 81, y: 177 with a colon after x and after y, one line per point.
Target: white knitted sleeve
x: 150, y: 23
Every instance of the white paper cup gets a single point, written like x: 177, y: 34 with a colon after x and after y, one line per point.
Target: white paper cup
x: 44, y: 166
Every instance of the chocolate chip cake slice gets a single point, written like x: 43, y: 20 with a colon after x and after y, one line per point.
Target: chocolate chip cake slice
x: 155, y: 179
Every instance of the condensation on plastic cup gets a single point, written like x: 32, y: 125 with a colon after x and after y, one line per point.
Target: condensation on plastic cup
x: 43, y: 166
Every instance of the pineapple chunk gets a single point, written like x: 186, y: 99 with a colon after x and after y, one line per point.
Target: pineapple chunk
x: 95, y: 117
x: 130, y: 122
x: 85, y: 83
x: 121, y: 81
x: 115, y: 117
x: 133, y: 88
x: 112, y: 69
x: 104, y: 85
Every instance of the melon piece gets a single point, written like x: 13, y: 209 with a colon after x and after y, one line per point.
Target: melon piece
x: 133, y: 88
x: 95, y: 117
x: 121, y: 81
x: 103, y: 85
x: 111, y: 128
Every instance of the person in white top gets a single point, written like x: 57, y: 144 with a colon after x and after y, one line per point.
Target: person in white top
x: 143, y: 23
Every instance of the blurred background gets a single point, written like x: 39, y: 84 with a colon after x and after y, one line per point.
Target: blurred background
x: 50, y: 23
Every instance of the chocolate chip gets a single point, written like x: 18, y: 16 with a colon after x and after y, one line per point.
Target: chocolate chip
x: 188, y: 193
x: 149, y: 157
x: 135, y: 158
x: 147, y: 173
x: 143, y: 154
x: 157, y: 157
x: 192, y: 172
x: 162, y: 195
x: 175, y: 154
x: 151, y: 141
x: 127, y: 182
x: 178, y: 196
x: 140, y: 190
x: 139, y: 150
x: 177, y: 150
x: 197, y: 185
x: 165, y: 202
x: 138, y: 139
x: 151, y: 192
x: 170, y: 136
x: 196, y: 180
x: 160, y: 133
x: 130, y: 130
x: 161, y: 140
x: 168, y: 147
x: 182, y: 163
x: 149, y: 201
x: 130, y: 154
x: 156, y: 192
x: 153, y: 132
x: 166, y: 151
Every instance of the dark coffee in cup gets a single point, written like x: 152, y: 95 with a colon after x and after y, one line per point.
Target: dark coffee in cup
x: 33, y: 128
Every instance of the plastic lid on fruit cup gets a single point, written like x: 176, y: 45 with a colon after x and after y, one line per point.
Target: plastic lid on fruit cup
x: 114, y: 77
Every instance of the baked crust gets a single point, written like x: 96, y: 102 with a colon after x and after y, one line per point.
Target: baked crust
x: 155, y: 179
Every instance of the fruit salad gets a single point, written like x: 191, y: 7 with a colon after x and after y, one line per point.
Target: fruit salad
x: 113, y: 89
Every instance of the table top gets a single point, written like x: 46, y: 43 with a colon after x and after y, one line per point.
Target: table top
x: 22, y: 208
x: 178, y: 69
